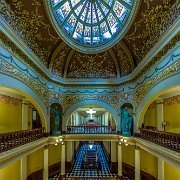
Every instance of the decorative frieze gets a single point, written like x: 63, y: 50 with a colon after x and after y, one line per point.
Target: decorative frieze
x: 9, y: 100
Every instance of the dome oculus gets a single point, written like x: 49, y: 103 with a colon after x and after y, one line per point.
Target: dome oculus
x: 91, y: 25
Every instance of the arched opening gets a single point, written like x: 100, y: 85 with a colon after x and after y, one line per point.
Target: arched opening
x: 31, y: 96
x: 162, y: 112
x: 74, y: 107
x: 18, y: 111
x: 90, y: 116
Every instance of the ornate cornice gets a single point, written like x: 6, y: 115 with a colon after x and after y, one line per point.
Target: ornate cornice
x: 168, y: 155
x: 9, y: 100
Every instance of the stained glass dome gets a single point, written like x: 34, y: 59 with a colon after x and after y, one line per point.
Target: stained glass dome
x: 91, y: 25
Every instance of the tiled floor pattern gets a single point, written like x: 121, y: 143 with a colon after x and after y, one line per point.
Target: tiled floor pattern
x: 78, y: 172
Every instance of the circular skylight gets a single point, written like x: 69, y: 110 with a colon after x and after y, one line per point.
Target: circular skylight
x: 91, y: 25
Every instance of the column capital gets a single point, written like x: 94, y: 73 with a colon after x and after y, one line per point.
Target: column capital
x: 137, y: 147
x: 159, y: 101
x: 46, y: 146
x: 25, y: 102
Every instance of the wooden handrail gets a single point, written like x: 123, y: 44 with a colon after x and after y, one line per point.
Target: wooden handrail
x: 11, y: 140
x: 165, y: 139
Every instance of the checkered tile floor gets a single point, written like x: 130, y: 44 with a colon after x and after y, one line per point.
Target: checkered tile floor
x: 78, y: 172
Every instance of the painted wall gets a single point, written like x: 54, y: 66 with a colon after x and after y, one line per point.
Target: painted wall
x: 10, y: 117
x: 149, y: 163
x: 107, y: 146
x: 35, y: 161
x: 172, y: 117
x: 150, y: 117
x: 54, y: 154
x: 128, y: 154
x: 11, y: 171
x: 170, y: 172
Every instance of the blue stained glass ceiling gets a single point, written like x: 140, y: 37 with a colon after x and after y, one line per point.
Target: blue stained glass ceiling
x: 91, y: 26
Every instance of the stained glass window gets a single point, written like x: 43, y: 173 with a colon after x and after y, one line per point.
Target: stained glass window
x: 90, y: 23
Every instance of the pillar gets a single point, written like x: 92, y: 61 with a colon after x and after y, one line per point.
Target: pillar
x: 24, y: 126
x: 137, y: 164
x: 160, y: 169
x: 63, y: 155
x: 160, y: 115
x: 45, y: 170
x: 25, y: 115
x: 160, y: 119
x: 120, y: 160
x: 23, y: 168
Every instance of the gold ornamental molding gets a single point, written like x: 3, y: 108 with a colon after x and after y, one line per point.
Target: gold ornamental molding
x: 6, y: 68
x: 9, y: 100
x: 141, y: 91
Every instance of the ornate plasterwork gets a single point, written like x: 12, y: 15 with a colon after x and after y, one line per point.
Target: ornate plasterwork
x: 31, y: 25
x: 172, y: 100
x: 38, y: 88
x: 71, y: 99
x: 9, y: 100
x: 91, y: 66
x: 59, y: 61
x: 124, y: 58
x: 154, y: 19
x: 145, y: 87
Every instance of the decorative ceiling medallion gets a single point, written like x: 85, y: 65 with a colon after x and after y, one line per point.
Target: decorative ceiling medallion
x: 91, y: 26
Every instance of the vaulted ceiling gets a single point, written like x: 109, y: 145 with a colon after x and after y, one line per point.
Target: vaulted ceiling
x: 31, y: 22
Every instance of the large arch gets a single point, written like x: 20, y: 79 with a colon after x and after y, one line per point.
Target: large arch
x: 90, y: 102
x: 26, y: 91
x: 156, y: 91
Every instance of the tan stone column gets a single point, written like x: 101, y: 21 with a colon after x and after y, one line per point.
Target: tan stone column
x: 23, y: 168
x: 137, y: 164
x: 45, y: 170
x: 160, y: 119
x: 120, y: 160
x: 160, y: 169
x: 63, y: 155
x: 24, y: 126
x: 160, y: 114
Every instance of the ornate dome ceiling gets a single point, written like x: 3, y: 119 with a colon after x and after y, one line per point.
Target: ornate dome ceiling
x: 91, y: 26
x: 29, y: 21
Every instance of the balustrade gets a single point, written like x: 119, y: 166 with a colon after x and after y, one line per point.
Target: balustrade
x: 91, y: 130
x: 13, y: 139
x: 168, y: 140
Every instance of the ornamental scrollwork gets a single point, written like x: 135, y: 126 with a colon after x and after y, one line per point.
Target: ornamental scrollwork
x: 40, y: 90
x: 142, y: 90
x: 9, y: 100
x: 71, y: 99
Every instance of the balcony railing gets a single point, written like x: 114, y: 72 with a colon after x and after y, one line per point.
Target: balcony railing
x: 91, y: 130
x: 168, y: 140
x: 13, y: 139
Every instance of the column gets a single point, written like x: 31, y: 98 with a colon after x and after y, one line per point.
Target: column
x: 63, y: 155
x: 120, y: 160
x: 23, y: 168
x: 137, y: 164
x: 24, y: 126
x: 25, y: 115
x: 160, y: 119
x: 160, y: 114
x: 160, y: 169
x: 45, y: 170
x: 69, y: 151
x: 114, y: 164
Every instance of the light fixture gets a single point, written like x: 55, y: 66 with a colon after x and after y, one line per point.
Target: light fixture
x: 91, y: 111
x: 123, y: 141
x: 59, y: 141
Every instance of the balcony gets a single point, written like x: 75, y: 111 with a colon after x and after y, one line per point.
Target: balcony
x: 91, y: 130
x: 167, y: 140
x: 14, y: 139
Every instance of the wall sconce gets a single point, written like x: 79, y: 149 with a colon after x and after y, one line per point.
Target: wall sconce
x: 164, y: 124
x: 59, y: 141
x: 123, y: 141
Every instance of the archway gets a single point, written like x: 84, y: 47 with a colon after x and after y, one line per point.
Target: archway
x: 26, y: 91
x: 156, y: 91
x: 90, y: 102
